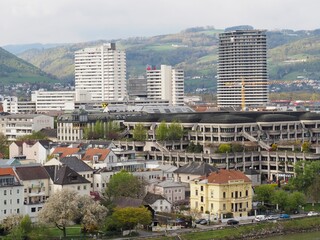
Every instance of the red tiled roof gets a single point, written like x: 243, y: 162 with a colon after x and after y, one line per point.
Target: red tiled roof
x: 102, y: 153
x: 65, y: 151
x: 6, y: 171
x: 224, y: 176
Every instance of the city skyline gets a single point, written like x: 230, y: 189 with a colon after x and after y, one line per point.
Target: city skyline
x: 78, y: 21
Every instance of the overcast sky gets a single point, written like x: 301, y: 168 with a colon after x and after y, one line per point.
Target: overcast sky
x: 63, y: 21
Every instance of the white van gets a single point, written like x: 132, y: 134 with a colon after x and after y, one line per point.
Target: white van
x: 260, y: 218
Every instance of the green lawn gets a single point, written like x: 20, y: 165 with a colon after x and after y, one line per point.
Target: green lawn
x: 309, y: 207
x: 71, y: 231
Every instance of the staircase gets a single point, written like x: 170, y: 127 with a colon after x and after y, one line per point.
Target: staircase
x: 253, y: 139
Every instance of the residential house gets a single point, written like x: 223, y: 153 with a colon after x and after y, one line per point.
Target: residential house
x: 80, y: 167
x: 63, y: 177
x: 157, y: 202
x: 11, y: 194
x: 101, y: 178
x: 35, y: 181
x: 193, y: 170
x: 222, y: 192
x: 37, y: 150
x: 61, y: 152
x: 172, y: 191
x: 99, y: 158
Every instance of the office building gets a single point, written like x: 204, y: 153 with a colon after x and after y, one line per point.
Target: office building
x: 242, y: 69
x: 166, y: 83
x: 102, y: 72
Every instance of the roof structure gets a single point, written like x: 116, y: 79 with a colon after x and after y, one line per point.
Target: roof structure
x: 223, y: 176
x: 6, y: 172
x: 225, y: 117
x: 101, y: 153
x: 65, y: 151
x: 123, y: 202
x: 251, y: 171
x: 196, y: 168
x: 31, y: 173
x: 76, y: 164
x: 64, y: 175
x: 49, y: 132
x: 151, y: 198
x: 168, y: 184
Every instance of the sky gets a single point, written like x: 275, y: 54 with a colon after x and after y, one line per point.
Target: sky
x: 70, y: 21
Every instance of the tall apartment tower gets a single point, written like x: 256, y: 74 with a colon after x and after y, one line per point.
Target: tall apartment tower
x: 166, y: 83
x: 101, y: 71
x: 242, y: 69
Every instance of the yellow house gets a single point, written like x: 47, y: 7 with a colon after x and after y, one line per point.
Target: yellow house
x: 221, y: 192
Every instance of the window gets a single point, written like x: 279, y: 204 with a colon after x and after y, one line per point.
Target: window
x: 78, y: 187
x: 18, y: 210
x: 224, y: 194
x: 201, y: 188
x: 5, y: 192
x: 201, y: 198
x: 18, y: 191
x: 84, y: 187
x: 33, y: 209
x: 224, y: 206
x: 5, y: 202
x: 196, y: 192
x: 18, y: 201
x: 246, y: 193
x: 212, y: 194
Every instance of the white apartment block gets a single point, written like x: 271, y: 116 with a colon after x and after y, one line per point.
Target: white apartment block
x: 242, y: 69
x: 16, y: 125
x: 11, y: 194
x: 102, y: 72
x: 11, y: 104
x: 166, y: 83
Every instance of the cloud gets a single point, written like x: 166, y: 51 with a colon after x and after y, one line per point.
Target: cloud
x: 52, y: 21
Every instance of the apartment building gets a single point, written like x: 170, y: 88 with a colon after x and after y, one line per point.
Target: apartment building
x: 16, y: 125
x: 101, y: 71
x: 11, y: 194
x: 222, y: 192
x: 166, y: 83
x: 242, y: 69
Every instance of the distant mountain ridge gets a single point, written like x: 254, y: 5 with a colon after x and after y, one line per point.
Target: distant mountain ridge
x: 290, y: 54
x: 16, y: 70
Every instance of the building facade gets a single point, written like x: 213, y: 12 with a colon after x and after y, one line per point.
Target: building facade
x: 222, y: 192
x: 102, y: 72
x: 16, y: 125
x: 166, y: 83
x: 242, y: 69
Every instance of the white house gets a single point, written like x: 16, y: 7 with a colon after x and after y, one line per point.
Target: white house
x: 31, y: 150
x: 157, y: 202
x: 11, y: 194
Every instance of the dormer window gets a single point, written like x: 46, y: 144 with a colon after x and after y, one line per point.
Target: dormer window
x: 96, y: 158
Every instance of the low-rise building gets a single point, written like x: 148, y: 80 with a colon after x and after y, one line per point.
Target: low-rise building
x: 222, y: 192
x: 17, y: 125
x: 157, y: 202
x: 172, y: 191
x: 35, y: 181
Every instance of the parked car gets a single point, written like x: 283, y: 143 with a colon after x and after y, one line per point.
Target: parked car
x: 312, y: 213
x: 199, y: 220
x: 203, y: 222
x: 232, y: 222
x: 272, y: 217
x: 284, y: 216
x: 260, y: 218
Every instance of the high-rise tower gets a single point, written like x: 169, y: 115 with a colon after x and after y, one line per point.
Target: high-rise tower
x: 102, y: 72
x: 242, y: 69
x: 166, y: 83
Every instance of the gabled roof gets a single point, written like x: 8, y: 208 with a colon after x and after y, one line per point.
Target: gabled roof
x: 65, y: 151
x: 101, y: 153
x: 123, y: 202
x: 224, y: 176
x: 196, y: 168
x: 64, y: 175
x: 31, y: 173
x: 151, y: 198
x: 6, y: 172
x: 76, y: 164
x: 49, y: 132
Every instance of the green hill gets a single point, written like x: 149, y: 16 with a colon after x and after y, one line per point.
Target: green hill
x: 16, y: 70
x: 291, y: 54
